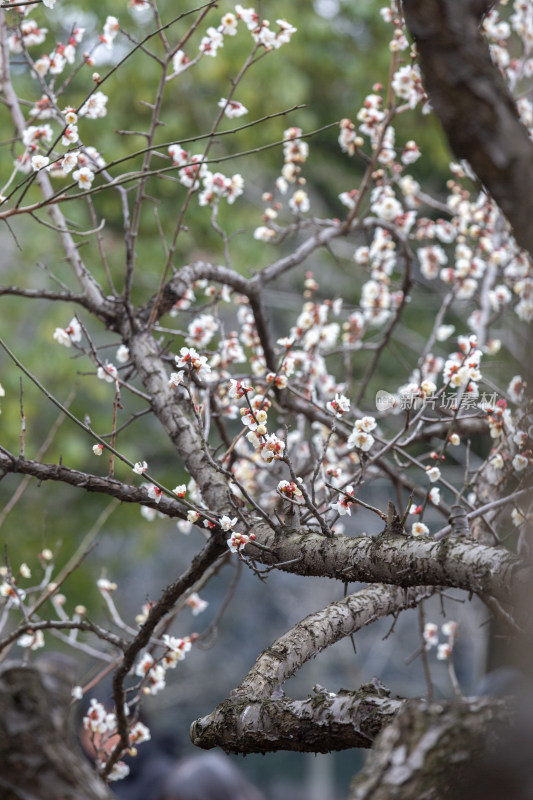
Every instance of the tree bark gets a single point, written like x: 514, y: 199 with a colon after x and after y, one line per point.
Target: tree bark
x: 435, y: 751
x: 39, y: 757
x: 474, y: 105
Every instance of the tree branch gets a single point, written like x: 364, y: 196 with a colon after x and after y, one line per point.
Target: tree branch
x: 474, y: 105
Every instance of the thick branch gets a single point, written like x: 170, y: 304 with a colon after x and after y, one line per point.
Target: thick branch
x: 39, y: 758
x: 439, y: 752
x: 396, y: 559
x: 317, y: 725
x: 175, y: 289
x: 322, y: 629
x: 474, y: 105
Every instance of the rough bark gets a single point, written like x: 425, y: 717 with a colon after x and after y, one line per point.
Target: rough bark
x: 435, y: 751
x: 258, y: 718
x: 474, y: 105
x: 38, y: 755
x: 320, y: 724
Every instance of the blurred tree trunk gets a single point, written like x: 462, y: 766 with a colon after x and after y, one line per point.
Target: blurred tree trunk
x: 39, y: 757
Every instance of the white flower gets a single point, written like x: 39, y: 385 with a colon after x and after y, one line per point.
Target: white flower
x: 237, y: 541
x: 431, y: 634
x: 95, y: 106
x: 264, y: 234
x: 272, y: 448
x: 154, y: 492
x: 434, y: 495
x: 105, y: 585
x: 449, y: 628
x: 226, y: 523
x: 108, y: 372
x: 120, y: 770
x: 144, y: 665
x: 72, y: 333
x: 76, y: 692
x: 444, y: 332
x: 180, y: 62
x: 358, y: 438
x: 444, y: 651
x: 232, y: 108
x: 299, y: 202
x: 520, y: 462
x: 39, y: 162
x: 139, y: 734
x: 123, y: 354
x: 193, y: 516
x: 24, y: 570
x: 84, y: 177
x: 140, y: 467
x: 32, y: 640
x: 98, y: 449
x: 433, y: 473
x: 176, y: 378
x: 419, y: 529
x: 195, y: 602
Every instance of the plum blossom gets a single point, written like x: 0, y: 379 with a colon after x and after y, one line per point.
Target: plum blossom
x: 419, y: 529
x: 299, y: 202
x: 196, y: 603
x: 98, y: 449
x: 339, y: 406
x: 211, y: 42
x: 66, y: 336
x: 39, y: 162
x: 272, y: 448
x: 108, y: 372
x: 190, y: 358
x: 84, y: 177
x: 344, y: 504
x: 95, y: 106
x: 226, y: 523
x: 140, y: 467
x: 238, y: 541
x: 32, y: 640
x: 433, y: 473
x: 180, y: 62
x: 232, y: 108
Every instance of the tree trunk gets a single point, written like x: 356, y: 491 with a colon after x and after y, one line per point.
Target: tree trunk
x: 39, y: 757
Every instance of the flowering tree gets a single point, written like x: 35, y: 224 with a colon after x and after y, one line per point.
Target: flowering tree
x: 283, y: 427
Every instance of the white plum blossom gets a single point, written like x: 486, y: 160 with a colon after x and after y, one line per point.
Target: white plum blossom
x: 32, y: 640
x: 520, y: 462
x: 196, y: 603
x: 95, y: 106
x: 419, y: 529
x: 248, y: 15
x: 299, y: 202
x: 176, y: 378
x: 433, y: 473
x: 140, y: 467
x: 211, y: 42
x: 343, y: 505
x: 232, y: 108
x: 39, y: 162
x: 84, y: 177
x: 66, y: 336
x: 123, y: 354
x: 339, y: 406
x: 108, y: 372
x: 226, y: 523
x: 238, y: 541
x: 180, y: 62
